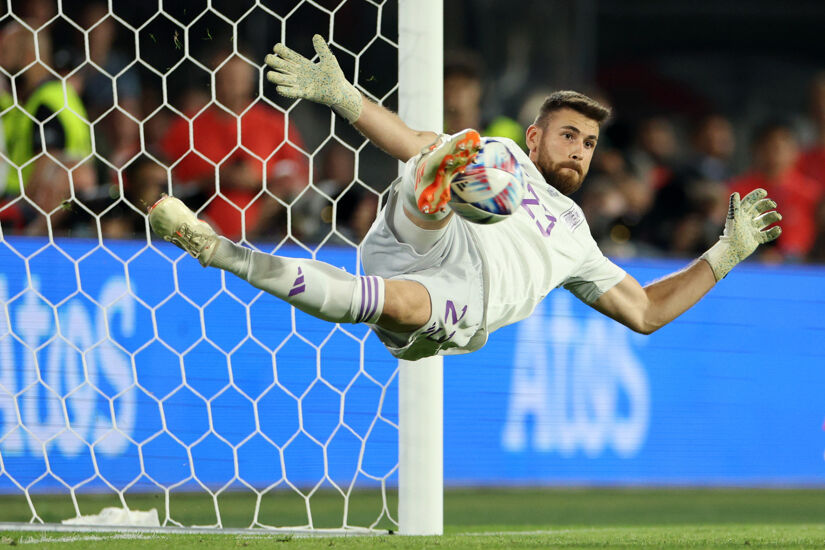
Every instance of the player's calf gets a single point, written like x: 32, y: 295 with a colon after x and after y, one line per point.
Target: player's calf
x: 314, y: 287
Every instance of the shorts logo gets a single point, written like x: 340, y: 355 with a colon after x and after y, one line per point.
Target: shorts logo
x: 451, y: 311
x: 440, y: 334
x: 298, y: 286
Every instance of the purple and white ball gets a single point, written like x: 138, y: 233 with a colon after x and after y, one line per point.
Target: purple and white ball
x: 491, y: 187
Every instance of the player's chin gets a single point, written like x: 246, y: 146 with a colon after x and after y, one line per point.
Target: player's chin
x: 567, y: 181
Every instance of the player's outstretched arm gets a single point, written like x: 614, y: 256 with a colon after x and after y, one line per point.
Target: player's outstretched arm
x: 650, y: 308
x: 388, y: 132
x: 324, y: 82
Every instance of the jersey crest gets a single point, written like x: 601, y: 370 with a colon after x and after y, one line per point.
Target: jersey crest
x: 572, y: 217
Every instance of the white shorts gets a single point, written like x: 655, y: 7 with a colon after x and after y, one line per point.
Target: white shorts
x: 451, y: 271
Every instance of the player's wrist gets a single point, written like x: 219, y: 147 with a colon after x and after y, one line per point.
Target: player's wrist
x: 722, y: 258
x: 351, y: 103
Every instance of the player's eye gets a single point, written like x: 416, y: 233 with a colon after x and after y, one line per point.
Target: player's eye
x: 567, y: 135
x: 589, y: 144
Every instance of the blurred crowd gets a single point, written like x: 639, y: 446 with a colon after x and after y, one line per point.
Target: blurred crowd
x: 658, y: 186
x: 230, y: 154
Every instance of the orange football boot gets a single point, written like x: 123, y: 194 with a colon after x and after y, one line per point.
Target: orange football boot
x: 439, y: 164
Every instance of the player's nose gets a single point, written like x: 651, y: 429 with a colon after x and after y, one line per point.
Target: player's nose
x: 577, y: 151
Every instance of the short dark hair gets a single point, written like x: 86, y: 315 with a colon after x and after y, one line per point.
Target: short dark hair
x: 568, y: 99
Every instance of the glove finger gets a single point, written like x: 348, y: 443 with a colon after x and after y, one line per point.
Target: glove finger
x: 281, y: 79
x: 322, y: 49
x: 753, y: 197
x: 770, y: 235
x: 288, y: 91
x: 279, y: 63
x: 763, y: 221
x: 734, y: 206
x: 764, y: 205
x: 286, y: 53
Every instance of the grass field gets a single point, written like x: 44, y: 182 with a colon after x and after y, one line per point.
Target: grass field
x: 513, y: 518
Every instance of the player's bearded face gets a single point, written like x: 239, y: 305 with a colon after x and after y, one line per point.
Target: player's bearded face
x: 563, y: 148
x: 566, y: 176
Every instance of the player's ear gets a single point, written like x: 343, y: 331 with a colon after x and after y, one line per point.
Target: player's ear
x: 533, y: 137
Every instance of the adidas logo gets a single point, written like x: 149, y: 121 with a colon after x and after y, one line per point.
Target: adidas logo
x: 298, y: 286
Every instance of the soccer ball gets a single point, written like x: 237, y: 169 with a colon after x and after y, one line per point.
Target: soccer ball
x: 490, y: 188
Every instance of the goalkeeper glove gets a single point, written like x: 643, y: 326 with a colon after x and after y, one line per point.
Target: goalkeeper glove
x: 744, y: 231
x: 296, y: 76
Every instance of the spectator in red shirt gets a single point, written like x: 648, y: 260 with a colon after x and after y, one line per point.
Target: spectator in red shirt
x: 773, y: 167
x: 266, y: 157
x: 812, y: 161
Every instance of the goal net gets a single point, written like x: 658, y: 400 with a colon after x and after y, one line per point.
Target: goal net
x: 132, y: 378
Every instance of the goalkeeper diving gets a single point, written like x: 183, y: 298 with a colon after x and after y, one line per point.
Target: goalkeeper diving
x: 436, y: 283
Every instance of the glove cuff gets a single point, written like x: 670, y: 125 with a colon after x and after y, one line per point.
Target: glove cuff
x: 721, y: 258
x: 351, y: 104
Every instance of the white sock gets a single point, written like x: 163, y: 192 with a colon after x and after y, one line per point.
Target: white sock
x: 407, y: 232
x: 314, y: 287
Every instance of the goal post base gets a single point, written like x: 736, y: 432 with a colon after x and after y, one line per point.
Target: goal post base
x: 245, y: 531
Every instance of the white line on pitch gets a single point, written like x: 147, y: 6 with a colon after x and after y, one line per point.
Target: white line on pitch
x: 82, y: 538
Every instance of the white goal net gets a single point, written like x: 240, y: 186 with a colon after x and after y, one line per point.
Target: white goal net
x: 130, y: 376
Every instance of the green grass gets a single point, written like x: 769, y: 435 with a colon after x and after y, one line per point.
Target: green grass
x: 489, y: 519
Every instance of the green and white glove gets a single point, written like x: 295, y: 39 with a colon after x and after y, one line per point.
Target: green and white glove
x: 296, y: 76
x: 744, y: 231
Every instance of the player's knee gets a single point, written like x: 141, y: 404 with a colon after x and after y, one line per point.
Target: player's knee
x: 406, y: 306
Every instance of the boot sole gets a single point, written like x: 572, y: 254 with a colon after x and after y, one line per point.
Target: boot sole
x: 435, y: 196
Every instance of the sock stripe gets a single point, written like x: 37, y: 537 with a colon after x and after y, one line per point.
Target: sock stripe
x: 363, y: 293
x: 375, y: 309
x: 370, y: 299
x: 374, y: 295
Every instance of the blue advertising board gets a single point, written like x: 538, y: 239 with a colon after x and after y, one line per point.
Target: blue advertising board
x: 129, y: 365
x: 730, y: 393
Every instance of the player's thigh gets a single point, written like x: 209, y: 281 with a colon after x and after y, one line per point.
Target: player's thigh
x: 406, y: 306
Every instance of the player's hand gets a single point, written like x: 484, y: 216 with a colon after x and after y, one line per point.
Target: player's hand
x: 746, y: 227
x: 296, y: 76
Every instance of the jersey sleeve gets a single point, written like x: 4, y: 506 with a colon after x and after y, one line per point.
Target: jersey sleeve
x: 596, y: 275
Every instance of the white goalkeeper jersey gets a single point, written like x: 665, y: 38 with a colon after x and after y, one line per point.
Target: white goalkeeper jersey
x: 483, y: 277
x: 544, y: 245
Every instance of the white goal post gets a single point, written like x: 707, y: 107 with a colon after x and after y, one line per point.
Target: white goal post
x: 421, y: 400
x: 128, y: 372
